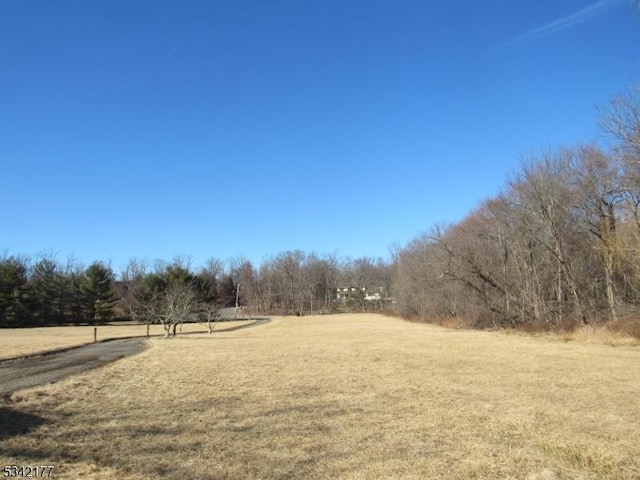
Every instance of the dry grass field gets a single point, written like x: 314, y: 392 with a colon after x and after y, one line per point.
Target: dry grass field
x: 27, y: 341
x: 340, y: 397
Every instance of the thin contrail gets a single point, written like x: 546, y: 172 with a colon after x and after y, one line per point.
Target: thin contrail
x: 594, y: 10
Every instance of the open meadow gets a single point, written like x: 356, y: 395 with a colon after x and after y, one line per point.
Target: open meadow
x: 339, y: 397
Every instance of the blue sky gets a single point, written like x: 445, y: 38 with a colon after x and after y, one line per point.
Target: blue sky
x: 219, y: 128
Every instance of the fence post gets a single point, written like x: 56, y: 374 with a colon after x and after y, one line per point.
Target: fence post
x: 95, y: 334
x: 147, y: 330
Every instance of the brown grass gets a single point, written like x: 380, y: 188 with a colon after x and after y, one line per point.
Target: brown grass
x: 627, y: 326
x: 28, y: 341
x: 602, y: 334
x: 345, y: 397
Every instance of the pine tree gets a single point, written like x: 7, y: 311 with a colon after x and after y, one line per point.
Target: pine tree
x: 97, y: 296
x: 44, y: 288
x: 13, y: 279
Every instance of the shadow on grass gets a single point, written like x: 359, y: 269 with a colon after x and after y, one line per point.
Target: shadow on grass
x: 14, y: 423
x: 137, y: 446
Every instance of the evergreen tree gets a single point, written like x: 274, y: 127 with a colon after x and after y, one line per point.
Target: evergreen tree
x: 13, y: 287
x: 97, y: 296
x: 45, y: 291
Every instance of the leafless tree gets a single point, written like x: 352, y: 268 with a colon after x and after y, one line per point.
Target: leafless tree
x: 266, y: 292
x: 598, y: 194
x: 210, y: 315
x: 236, y: 270
x: 367, y: 276
x: 545, y: 251
x: 177, y: 304
x: 132, y: 277
x: 291, y: 279
x: 321, y: 274
x: 543, y: 189
x: 621, y: 119
x: 415, y: 278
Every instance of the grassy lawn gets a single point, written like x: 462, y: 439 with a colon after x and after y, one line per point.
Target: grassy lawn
x: 340, y: 397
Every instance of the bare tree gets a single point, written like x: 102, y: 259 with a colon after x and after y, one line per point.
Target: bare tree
x: 234, y: 272
x: 266, y: 291
x: 176, y: 305
x: 211, y: 273
x: 289, y: 266
x: 526, y: 256
x: 416, y: 271
x: 210, y: 315
x: 621, y: 119
x: 543, y: 189
x: 132, y: 276
x: 321, y: 276
x: 599, y: 195
x: 248, y: 293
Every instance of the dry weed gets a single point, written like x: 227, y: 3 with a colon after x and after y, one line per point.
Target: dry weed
x: 600, y: 335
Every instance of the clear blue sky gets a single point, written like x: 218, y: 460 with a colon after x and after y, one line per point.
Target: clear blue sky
x: 152, y: 128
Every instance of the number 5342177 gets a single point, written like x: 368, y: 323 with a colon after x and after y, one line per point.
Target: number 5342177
x: 29, y: 471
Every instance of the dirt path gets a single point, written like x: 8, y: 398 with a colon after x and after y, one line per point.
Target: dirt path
x: 51, y: 367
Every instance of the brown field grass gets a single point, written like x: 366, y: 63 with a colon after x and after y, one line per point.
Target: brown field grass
x: 340, y: 397
x: 15, y: 342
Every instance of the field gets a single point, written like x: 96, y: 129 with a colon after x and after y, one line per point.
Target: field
x: 340, y: 397
x: 15, y: 342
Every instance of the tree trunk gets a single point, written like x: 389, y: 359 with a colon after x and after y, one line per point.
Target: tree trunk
x: 608, y: 278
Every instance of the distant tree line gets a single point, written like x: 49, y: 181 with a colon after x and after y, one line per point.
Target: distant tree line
x: 46, y: 292
x: 558, y: 246
x: 291, y: 282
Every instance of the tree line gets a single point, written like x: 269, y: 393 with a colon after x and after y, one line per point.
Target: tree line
x: 44, y: 291
x: 558, y: 246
